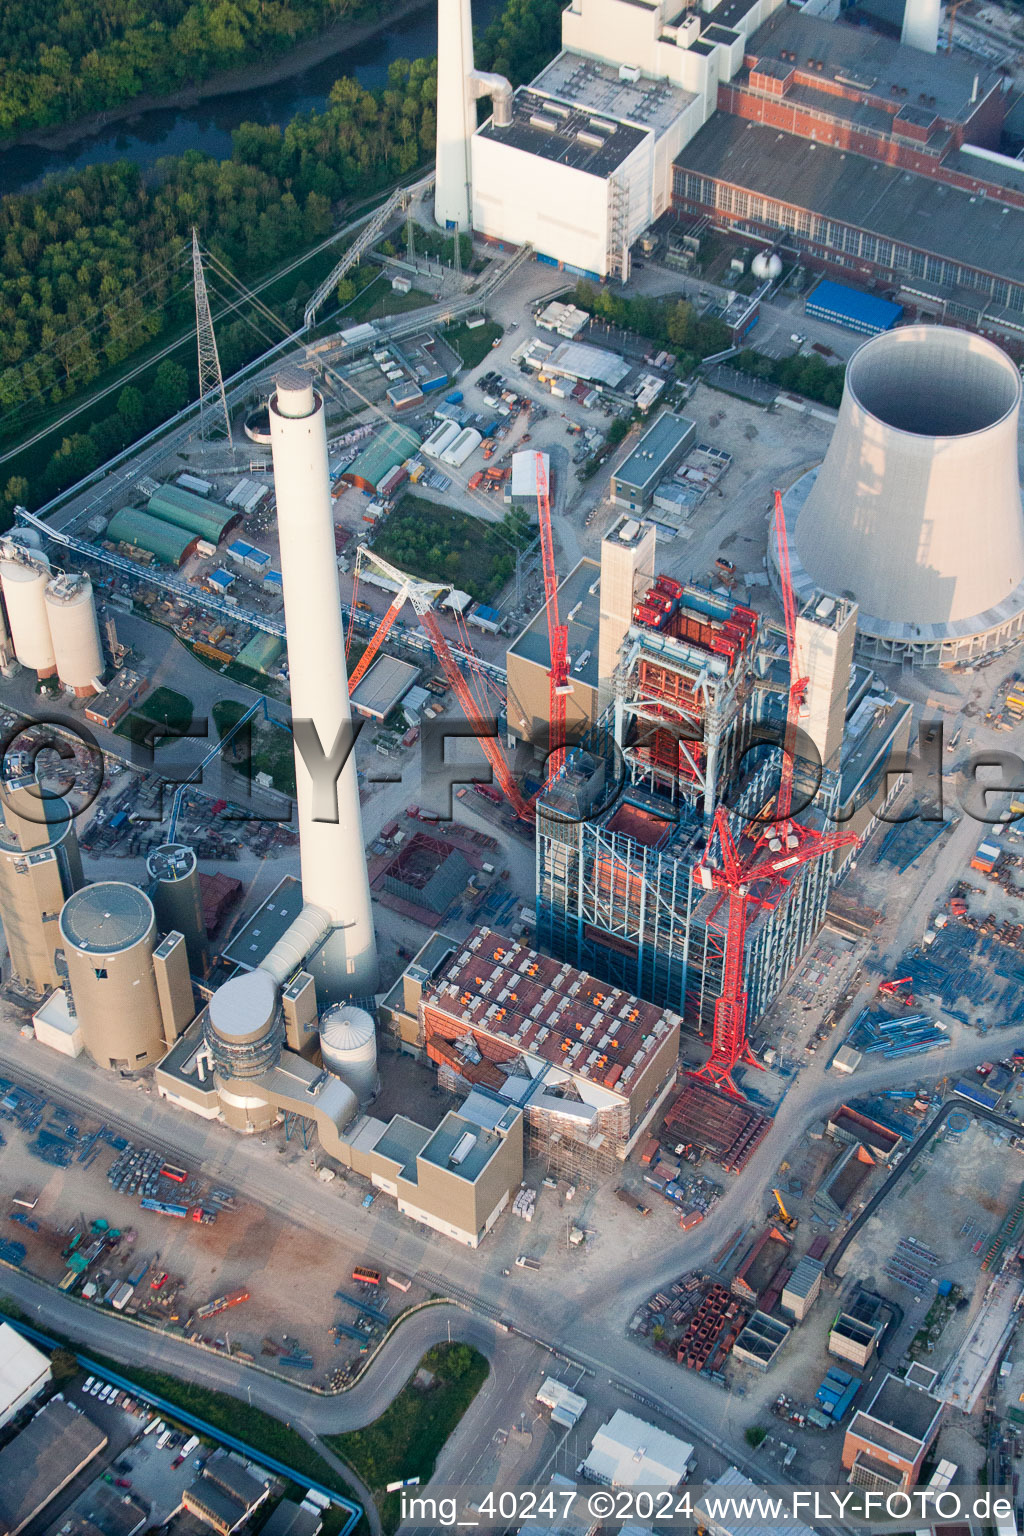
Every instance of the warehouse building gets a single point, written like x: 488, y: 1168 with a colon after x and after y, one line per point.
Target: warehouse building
x: 383, y: 687
x: 49, y: 1453
x: 196, y: 514
x: 655, y: 456
x: 732, y: 1485
x: 225, y: 1495
x: 24, y: 1372
x: 627, y: 1452
x: 386, y: 451
x: 165, y: 541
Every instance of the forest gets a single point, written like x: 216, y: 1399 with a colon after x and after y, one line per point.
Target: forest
x: 809, y: 376
x: 62, y: 59
x: 94, y: 268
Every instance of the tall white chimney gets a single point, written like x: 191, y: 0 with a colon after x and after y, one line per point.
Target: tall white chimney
x: 334, y: 877
x: 921, y: 25
x: 456, y: 117
x: 459, y: 88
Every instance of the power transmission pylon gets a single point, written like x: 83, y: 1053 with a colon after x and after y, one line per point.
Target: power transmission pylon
x: 213, y: 402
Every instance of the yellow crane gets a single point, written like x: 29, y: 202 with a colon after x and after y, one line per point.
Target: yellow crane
x: 787, y: 1220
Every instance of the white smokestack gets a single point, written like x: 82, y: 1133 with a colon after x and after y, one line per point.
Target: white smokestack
x: 921, y: 25
x: 334, y: 875
x: 459, y: 87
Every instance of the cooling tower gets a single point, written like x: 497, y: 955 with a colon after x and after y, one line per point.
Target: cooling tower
x: 915, y: 512
x: 74, y: 632
x: 24, y: 586
x: 332, y: 857
x: 348, y: 1046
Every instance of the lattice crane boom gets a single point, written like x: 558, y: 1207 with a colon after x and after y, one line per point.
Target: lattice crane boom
x: 377, y: 639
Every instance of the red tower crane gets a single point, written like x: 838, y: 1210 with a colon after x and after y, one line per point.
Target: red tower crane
x: 422, y: 596
x: 737, y: 875
x: 558, y: 633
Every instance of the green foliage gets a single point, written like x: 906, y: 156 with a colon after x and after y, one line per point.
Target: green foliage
x: 809, y: 376
x: 473, y: 345
x: 438, y: 544
x: 667, y: 322
x: 409, y: 1435
x: 524, y: 38
x: 63, y: 1366
x: 755, y: 1435
x: 165, y: 708
x: 66, y: 58
x: 259, y: 747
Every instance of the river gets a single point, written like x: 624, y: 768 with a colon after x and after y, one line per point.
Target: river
x: 208, y: 125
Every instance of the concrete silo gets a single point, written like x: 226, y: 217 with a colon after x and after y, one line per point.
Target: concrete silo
x: 244, y: 1034
x: 23, y: 577
x: 178, y: 901
x: 348, y: 1048
x: 74, y: 633
x: 108, y: 931
x: 915, y: 512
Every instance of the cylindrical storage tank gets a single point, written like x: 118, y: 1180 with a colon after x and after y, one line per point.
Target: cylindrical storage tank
x: 348, y: 1046
x: 178, y: 900
x: 243, y: 1027
x: 75, y: 633
x: 916, y: 510
x: 108, y: 932
x: 24, y: 589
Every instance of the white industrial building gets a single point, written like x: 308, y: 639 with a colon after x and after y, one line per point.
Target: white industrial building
x: 24, y: 1372
x: 579, y: 163
x: 629, y: 1453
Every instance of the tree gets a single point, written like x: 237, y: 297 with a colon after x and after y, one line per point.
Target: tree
x: 755, y: 1435
x: 169, y: 392
x: 345, y: 291
x: 63, y: 1365
x: 131, y: 408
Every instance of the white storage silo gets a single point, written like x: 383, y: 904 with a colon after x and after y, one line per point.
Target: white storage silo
x: 74, y: 632
x: 348, y: 1045
x: 24, y: 588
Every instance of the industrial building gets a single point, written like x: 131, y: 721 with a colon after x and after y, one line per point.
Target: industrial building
x: 24, y: 1372
x: 857, y: 1328
x: 40, y: 867
x: 225, y: 1494
x: 165, y: 541
x: 877, y: 523
x: 627, y: 1452
x: 691, y: 678
x: 655, y: 456
x: 588, y: 1065
x: 52, y: 615
x: 56, y: 1445
x: 527, y: 662
x: 732, y: 1485
x: 388, y: 449
x: 579, y: 163
x: 886, y: 1443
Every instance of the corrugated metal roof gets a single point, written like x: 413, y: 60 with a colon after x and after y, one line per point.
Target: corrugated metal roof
x: 206, y: 518
x: 164, y: 540
x: 848, y: 303
x: 384, y: 451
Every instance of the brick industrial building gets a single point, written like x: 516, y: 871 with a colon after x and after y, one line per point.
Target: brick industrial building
x: 870, y: 159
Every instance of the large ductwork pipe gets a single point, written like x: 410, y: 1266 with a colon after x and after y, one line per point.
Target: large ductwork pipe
x: 297, y: 942
x: 916, y: 510
x: 921, y: 25
x: 499, y: 90
x: 333, y: 861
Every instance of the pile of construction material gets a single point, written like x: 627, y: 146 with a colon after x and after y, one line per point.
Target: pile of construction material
x: 912, y: 1265
x: 525, y: 1203
x: 880, y: 1035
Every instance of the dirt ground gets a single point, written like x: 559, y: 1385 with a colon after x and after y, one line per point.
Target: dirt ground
x: 246, y: 1248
